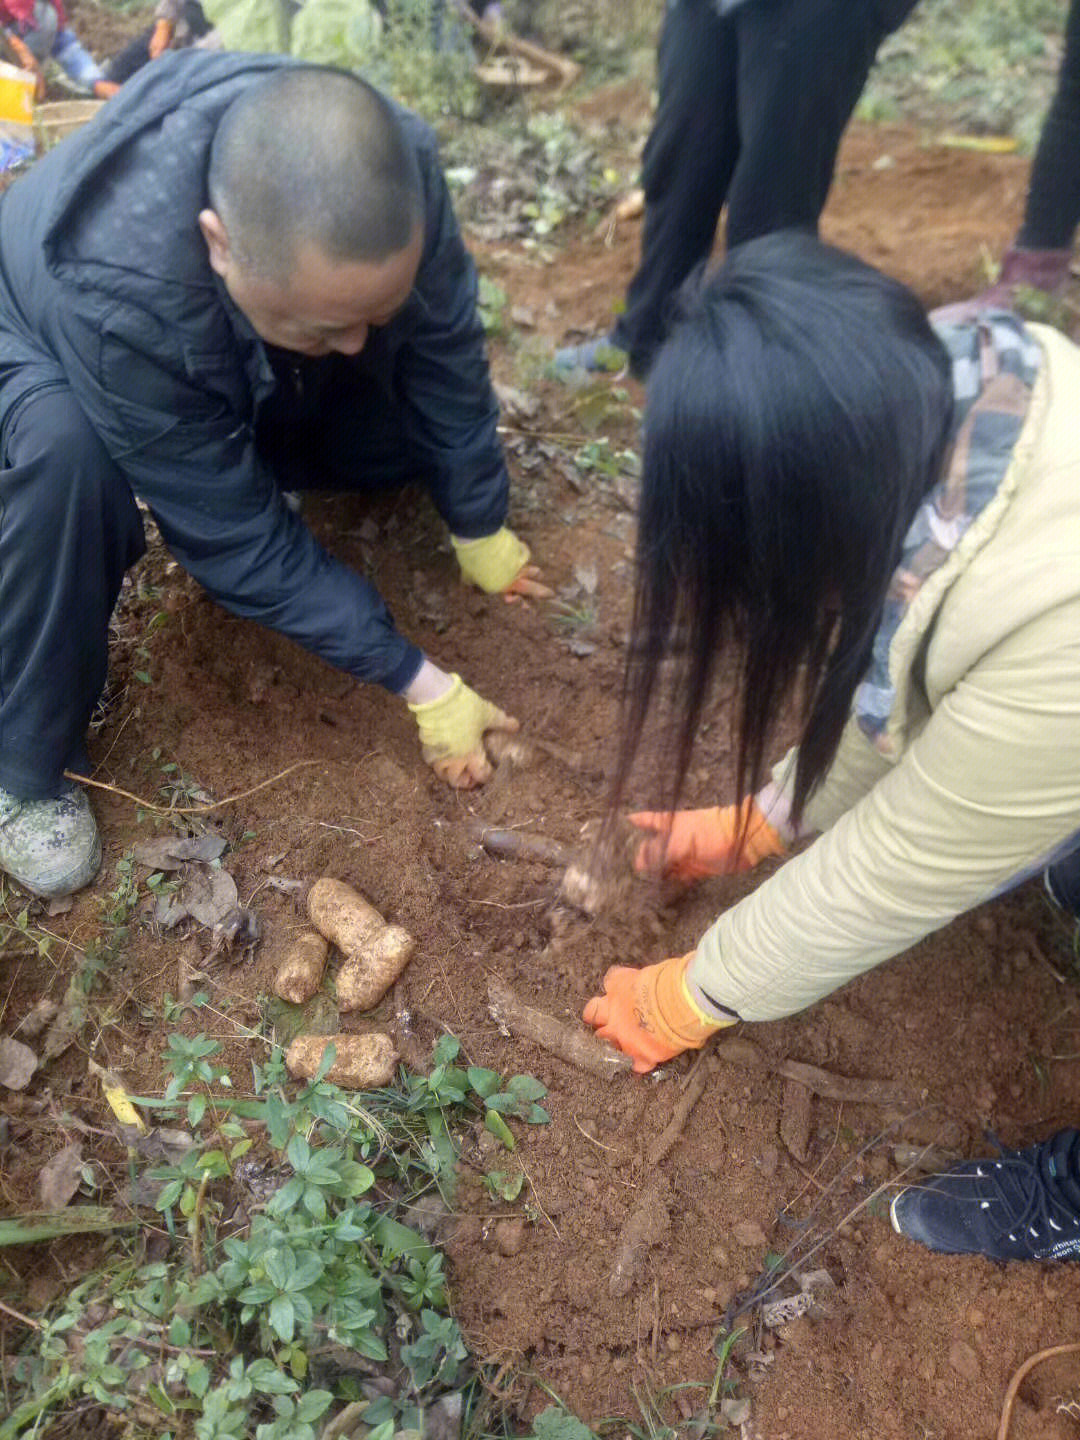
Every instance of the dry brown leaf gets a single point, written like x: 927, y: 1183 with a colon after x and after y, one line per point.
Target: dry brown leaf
x: 60, y: 1177
x: 171, y: 852
x: 17, y: 1063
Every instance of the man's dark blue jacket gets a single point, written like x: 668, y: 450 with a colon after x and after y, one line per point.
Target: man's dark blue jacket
x: 106, y: 287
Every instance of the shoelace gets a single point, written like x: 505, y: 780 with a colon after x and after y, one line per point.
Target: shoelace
x: 1032, y: 1203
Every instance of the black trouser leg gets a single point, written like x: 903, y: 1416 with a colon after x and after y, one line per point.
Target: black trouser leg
x: 802, y: 65
x: 69, y: 528
x: 751, y: 109
x: 1063, y: 877
x: 131, y: 59
x: 685, y: 169
x: 1052, y: 212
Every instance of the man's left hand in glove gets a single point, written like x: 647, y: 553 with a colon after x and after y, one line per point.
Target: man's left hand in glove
x: 499, y: 565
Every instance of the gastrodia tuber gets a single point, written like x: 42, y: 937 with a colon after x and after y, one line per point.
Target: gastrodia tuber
x: 300, y: 973
x: 375, y: 952
x: 361, y: 1062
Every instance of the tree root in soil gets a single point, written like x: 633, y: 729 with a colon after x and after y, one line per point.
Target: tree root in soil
x: 843, y: 1090
x: 650, y: 1219
x: 573, y: 1044
x: 516, y: 845
x: 695, y: 1088
x: 645, y: 1226
x: 1018, y: 1379
x: 584, y: 884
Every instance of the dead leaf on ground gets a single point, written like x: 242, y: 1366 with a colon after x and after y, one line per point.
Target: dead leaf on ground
x: 171, y: 852
x: 36, y: 1018
x: 206, y: 894
x: 69, y: 1020
x: 60, y: 1177
x: 17, y: 1063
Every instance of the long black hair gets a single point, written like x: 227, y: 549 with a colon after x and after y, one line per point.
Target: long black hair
x: 796, y: 417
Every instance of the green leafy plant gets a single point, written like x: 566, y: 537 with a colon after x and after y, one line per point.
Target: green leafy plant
x: 322, y: 1260
x: 491, y: 306
x: 598, y: 456
x: 482, y: 1090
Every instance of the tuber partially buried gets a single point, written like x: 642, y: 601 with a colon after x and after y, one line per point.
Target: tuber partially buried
x: 361, y: 1062
x: 375, y: 952
x: 300, y: 973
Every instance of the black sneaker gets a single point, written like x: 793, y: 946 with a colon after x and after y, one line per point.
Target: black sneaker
x: 1024, y: 1206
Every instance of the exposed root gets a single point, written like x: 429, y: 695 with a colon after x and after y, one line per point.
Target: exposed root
x: 843, y: 1090
x: 695, y: 1088
x: 1018, y: 1379
x: 574, y: 1044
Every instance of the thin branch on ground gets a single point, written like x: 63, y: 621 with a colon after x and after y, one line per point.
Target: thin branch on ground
x: 186, y: 809
x: 1018, y: 1379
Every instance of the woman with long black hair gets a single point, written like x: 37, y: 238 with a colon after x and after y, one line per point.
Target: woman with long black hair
x: 880, y: 521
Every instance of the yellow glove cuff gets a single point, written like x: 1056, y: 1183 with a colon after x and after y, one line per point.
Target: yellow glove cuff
x: 493, y: 562
x: 453, y: 724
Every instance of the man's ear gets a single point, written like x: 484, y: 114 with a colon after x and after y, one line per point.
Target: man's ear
x: 217, y: 241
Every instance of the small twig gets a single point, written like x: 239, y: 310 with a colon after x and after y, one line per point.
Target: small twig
x: 591, y: 1139
x: 186, y: 809
x: 498, y: 904
x: 1018, y: 1379
x: 539, y: 1202
x: 196, y: 1225
x: 695, y: 1088
x: 18, y: 1315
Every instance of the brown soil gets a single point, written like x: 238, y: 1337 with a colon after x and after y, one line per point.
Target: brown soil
x: 974, y: 1021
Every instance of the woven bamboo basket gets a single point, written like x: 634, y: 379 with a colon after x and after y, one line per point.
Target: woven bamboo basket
x: 55, y: 119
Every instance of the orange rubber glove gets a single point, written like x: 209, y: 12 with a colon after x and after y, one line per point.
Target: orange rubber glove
x: 161, y: 39
x: 691, y: 844
x: 651, y: 1014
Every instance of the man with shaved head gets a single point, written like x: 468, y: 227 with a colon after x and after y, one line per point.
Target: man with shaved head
x: 242, y: 279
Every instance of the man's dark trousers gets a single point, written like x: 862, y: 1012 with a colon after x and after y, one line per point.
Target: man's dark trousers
x: 752, y: 105
x: 70, y: 528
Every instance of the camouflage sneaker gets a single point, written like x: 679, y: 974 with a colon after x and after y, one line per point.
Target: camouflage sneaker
x: 51, y: 847
x: 594, y: 357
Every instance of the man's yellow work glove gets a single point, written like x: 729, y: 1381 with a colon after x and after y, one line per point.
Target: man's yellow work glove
x: 452, y: 734
x: 690, y: 844
x: 651, y: 1014
x: 499, y: 565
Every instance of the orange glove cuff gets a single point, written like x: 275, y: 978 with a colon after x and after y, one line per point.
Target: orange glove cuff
x: 666, y: 1007
x: 25, y: 56
x: 760, y: 840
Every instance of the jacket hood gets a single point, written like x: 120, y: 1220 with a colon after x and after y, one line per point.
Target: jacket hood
x: 169, y: 111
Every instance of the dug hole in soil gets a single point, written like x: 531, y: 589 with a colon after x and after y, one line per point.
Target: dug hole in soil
x: 976, y: 1026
